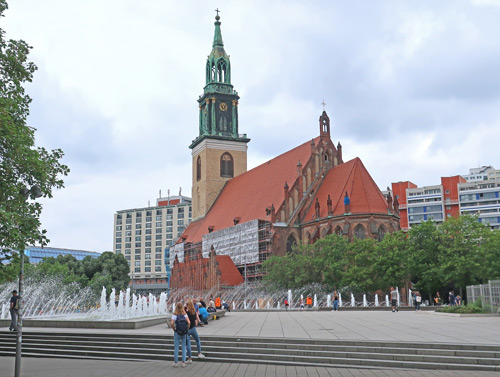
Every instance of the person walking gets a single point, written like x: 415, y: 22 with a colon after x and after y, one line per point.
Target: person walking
x: 335, y: 301
x: 394, y: 299
x: 14, y: 310
x: 418, y: 301
x: 193, y: 320
x: 180, y: 324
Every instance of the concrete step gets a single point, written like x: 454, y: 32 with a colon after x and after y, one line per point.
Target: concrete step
x: 268, y: 350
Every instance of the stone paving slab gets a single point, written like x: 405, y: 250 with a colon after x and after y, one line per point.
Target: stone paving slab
x: 344, y: 325
x: 37, y: 367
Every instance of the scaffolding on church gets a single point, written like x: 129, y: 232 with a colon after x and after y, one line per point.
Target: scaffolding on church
x: 248, y: 244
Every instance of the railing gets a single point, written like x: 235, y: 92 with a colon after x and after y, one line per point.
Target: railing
x: 489, y: 294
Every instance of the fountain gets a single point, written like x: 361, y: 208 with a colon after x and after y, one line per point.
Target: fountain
x: 51, y: 303
x: 353, y: 301
x: 387, y: 300
x: 315, y: 304
x: 365, y: 303
x: 376, y: 300
x: 329, y: 301
x: 340, y: 300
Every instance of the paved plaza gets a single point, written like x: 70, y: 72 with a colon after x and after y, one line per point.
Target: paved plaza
x: 344, y: 325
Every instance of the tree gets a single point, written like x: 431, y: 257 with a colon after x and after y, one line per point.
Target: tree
x: 490, y: 257
x: 22, y: 164
x: 460, y: 246
x: 391, y: 264
x: 424, y: 261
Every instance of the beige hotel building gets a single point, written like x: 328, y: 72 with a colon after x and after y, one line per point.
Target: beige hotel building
x: 144, y: 236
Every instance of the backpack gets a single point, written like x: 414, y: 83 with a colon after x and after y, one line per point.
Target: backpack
x: 181, y: 325
x: 16, y: 305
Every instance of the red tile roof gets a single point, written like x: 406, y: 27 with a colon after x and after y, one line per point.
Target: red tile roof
x: 352, y: 177
x: 248, y: 195
x: 229, y: 273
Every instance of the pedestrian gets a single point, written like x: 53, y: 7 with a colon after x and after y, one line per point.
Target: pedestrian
x: 202, y: 303
x: 394, y: 299
x: 193, y: 320
x: 180, y: 324
x: 335, y: 301
x: 418, y: 301
x: 286, y: 304
x: 14, y: 310
x: 451, y: 298
x: 301, y: 303
x: 437, y: 299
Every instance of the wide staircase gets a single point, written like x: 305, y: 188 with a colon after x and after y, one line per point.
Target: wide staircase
x: 278, y: 351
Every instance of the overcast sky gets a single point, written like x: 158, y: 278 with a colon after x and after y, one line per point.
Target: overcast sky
x: 411, y: 87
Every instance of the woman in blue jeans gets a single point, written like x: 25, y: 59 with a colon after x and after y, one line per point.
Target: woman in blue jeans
x: 193, y: 319
x: 179, y: 338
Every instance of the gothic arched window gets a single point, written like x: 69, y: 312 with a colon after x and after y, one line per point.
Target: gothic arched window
x: 381, y: 233
x: 291, y: 242
x: 226, y: 166
x: 338, y: 230
x: 359, y: 232
x: 198, y: 168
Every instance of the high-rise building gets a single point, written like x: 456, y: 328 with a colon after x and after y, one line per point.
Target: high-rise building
x: 144, y: 235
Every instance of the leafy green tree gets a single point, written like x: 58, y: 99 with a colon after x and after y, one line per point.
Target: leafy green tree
x: 331, y: 260
x: 490, y: 257
x: 460, y: 250
x: 115, y: 266
x: 424, y: 261
x: 22, y: 164
x: 360, y: 274
x: 392, y: 261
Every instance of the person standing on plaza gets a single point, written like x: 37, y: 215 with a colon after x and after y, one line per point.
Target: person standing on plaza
x: 180, y: 323
x: 451, y: 298
x: 301, y: 303
x: 193, y: 320
x: 335, y: 301
x: 418, y: 301
x: 14, y: 310
x: 394, y: 299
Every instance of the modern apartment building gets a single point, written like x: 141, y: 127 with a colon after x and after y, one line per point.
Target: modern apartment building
x: 482, y: 173
x: 419, y: 204
x: 144, y: 236
x: 483, y: 199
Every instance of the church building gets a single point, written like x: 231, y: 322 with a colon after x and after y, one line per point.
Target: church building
x: 295, y: 198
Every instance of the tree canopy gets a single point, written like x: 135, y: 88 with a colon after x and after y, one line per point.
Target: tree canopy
x: 457, y: 253
x: 22, y: 163
x: 108, y: 270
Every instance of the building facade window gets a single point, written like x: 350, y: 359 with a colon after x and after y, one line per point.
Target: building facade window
x: 226, y: 166
x: 359, y: 232
x: 198, y: 168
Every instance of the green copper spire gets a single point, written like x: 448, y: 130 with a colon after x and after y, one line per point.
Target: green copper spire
x: 219, y: 103
x: 218, y: 35
x: 218, y: 65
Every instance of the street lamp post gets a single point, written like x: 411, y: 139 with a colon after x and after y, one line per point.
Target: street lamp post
x: 34, y: 193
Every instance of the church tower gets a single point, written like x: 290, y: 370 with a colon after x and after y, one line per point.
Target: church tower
x: 219, y: 152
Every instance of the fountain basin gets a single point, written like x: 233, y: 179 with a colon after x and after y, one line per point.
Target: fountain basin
x: 82, y: 323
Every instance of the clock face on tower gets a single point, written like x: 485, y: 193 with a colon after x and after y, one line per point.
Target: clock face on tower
x: 223, y: 106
